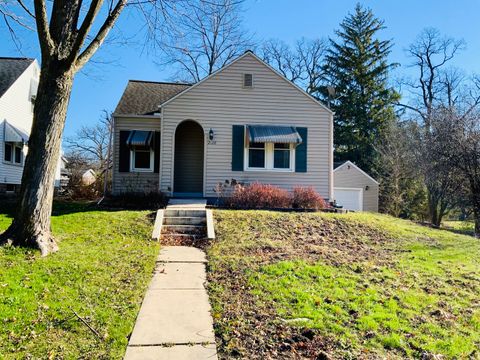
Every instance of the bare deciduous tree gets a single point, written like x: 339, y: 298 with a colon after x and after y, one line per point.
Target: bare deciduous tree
x: 203, y: 36
x: 431, y: 53
x: 458, y: 143
x: 401, y: 191
x: 69, y: 33
x: 301, y: 65
x: 93, y: 141
x: 437, y: 85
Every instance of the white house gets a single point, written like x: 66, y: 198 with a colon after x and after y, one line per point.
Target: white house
x: 18, y: 88
x: 245, y: 122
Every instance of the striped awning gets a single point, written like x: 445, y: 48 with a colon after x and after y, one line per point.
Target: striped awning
x: 13, y: 134
x: 273, y: 134
x: 140, y: 138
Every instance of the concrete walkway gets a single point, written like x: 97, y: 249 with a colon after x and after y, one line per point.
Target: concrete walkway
x: 174, y: 321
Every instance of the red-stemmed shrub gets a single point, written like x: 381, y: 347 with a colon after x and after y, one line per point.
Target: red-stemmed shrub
x: 307, y: 198
x: 259, y: 196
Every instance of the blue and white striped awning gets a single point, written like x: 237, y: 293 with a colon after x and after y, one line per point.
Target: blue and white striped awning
x: 13, y: 134
x: 140, y: 138
x: 273, y: 134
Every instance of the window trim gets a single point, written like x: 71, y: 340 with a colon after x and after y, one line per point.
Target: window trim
x: 13, y: 146
x: 269, y: 158
x: 142, y: 170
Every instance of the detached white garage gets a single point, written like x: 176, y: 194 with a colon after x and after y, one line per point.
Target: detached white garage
x: 353, y: 188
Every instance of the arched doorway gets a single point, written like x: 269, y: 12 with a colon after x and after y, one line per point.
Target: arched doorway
x: 188, y: 167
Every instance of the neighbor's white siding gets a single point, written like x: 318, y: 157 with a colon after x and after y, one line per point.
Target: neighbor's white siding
x: 345, y: 177
x: 16, y: 108
x: 129, y: 181
x: 221, y: 101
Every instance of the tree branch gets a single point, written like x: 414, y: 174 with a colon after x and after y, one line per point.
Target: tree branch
x: 101, y: 35
x: 47, y: 45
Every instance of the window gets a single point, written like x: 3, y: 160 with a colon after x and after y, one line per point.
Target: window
x: 270, y: 156
x: 142, y: 159
x: 10, y: 188
x: 281, y: 156
x: 8, y: 152
x: 13, y: 153
x: 248, y: 81
x: 256, y: 155
x: 18, y: 155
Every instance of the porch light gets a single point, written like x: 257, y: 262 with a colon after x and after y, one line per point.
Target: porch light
x: 367, y: 187
x: 211, y: 135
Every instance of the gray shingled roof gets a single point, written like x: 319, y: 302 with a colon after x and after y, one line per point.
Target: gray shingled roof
x: 144, y: 97
x: 10, y: 70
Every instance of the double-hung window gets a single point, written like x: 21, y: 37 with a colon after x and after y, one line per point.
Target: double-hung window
x: 256, y: 155
x: 13, y: 153
x: 270, y: 156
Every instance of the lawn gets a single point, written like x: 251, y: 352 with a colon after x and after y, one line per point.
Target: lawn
x: 100, y: 274
x: 286, y: 285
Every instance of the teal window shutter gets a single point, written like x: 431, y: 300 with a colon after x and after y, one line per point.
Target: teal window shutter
x: 301, y: 151
x: 238, y: 141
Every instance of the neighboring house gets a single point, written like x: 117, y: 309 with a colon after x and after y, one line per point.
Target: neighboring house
x: 354, y: 189
x: 244, y: 122
x: 62, y: 176
x: 18, y: 88
x: 89, y: 177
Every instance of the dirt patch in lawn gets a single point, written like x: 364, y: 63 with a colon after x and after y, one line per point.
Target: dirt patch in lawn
x: 247, y: 327
x: 313, y: 238
x: 200, y: 242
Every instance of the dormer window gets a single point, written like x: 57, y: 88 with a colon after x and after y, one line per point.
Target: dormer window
x: 248, y: 81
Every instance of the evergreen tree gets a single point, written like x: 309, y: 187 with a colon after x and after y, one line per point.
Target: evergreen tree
x: 357, y: 67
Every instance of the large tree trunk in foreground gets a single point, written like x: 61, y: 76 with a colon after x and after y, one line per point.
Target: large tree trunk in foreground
x: 31, y: 226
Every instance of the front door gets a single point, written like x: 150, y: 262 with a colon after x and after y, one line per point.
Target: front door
x: 188, y: 167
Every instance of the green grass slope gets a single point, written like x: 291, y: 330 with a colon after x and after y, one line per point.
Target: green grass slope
x: 342, y: 286
x: 101, y: 273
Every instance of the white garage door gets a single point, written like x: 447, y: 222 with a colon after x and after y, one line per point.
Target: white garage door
x: 349, y: 198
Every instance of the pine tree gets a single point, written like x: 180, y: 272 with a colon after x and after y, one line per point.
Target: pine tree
x: 357, y: 68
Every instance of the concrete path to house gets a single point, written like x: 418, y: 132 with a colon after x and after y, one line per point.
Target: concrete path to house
x: 174, y: 321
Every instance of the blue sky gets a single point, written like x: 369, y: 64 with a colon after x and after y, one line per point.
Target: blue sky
x: 100, y: 85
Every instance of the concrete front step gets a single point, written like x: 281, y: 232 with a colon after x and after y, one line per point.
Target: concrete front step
x: 184, y: 213
x: 184, y: 220
x: 183, y: 229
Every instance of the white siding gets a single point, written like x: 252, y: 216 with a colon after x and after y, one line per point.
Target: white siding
x: 221, y: 101
x: 16, y: 108
x: 128, y: 181
x: 345, y: 177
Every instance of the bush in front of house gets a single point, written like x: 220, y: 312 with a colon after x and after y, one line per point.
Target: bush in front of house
x: 137, y: 200
x: 264, y: 196
x: 258, y: 196
x: 305, y: 197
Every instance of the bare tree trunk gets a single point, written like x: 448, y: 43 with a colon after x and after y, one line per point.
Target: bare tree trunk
x: 31, y: 226
x: 476, y: 209
x: 433, y: 208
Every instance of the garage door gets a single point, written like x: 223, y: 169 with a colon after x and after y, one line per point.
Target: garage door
x: 349, y: 198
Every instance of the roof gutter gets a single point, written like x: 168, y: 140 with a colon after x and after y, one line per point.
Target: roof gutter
x: 137, y: 116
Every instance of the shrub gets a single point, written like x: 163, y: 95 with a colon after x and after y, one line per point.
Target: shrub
x: 258, y: 196
x: 136, y: 200
x: 307, y: 198
x: 77, y: 190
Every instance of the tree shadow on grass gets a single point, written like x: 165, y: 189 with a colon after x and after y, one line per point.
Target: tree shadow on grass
x: 458, y: 231
x: 63, y: 207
